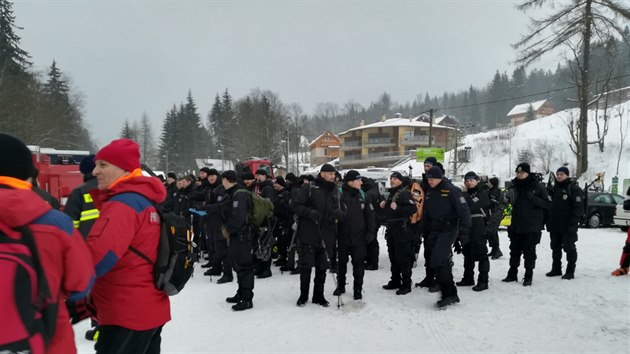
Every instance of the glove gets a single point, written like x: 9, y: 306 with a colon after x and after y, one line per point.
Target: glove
x: 79, y: 310
x: 338, y: 214
x: 225, y: 233
x: 198, y: 212
x: 315, y: 216
x: 457, y: 247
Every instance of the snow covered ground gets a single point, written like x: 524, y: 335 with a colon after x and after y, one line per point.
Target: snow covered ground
x: 588, y: 314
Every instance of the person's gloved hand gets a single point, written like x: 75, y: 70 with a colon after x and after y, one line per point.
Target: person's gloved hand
x: 338, y: 214
x: 314, y: 215
x: 225, y: 233
x: 79, y: 310
x: 457, y: 247
x: 198, y: 212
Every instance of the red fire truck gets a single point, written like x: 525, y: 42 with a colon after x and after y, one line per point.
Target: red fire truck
x: 58, y: 170
x: 252, y: 165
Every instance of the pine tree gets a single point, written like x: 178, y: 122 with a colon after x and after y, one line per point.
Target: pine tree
x: 128, y: 132
x: 530, y: 115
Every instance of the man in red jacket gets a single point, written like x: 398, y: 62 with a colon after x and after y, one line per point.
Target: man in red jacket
x: 62, y: 253
x: 129, y: 309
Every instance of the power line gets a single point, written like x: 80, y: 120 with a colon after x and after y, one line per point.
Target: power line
x: 523, y: 96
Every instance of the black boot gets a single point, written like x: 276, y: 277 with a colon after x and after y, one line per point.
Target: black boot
x: 570, y: 272
x: 512, y: 275
x: 318, y: 288
x: 496, y: 253
x: 435, y: 287
x: 449, y: 300
x: 266, y: 273
x: 207, y: 265
x: 357, y: 294
x: 234, y: 299
x: 404, y: 290
x: 341, y: 289
x: 213, y: 271
x: 225, y: 279
x: 243, y: 305
x: 302, y: 300
x: 392, y: 285
x: 466, y: 282
x: 554, y: 272
x: 527, y: 280
x: 424, y: 283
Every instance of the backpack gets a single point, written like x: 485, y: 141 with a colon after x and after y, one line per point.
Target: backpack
x: 24, y: 295
x: 176, y: 256
x: 417, y: 194
x: 361, y: 194
x: 262, y: 208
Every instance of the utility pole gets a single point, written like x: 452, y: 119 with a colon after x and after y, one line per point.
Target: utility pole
x: 287, y: 150
x: 430, y: 125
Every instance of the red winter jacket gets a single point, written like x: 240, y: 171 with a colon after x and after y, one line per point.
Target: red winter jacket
x: 124, y: 294
x: 63, y: 254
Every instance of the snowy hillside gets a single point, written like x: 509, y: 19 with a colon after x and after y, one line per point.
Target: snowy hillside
x: 496, y: 152
x: 588, y: 314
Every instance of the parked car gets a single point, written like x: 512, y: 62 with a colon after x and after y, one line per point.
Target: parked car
x: 622, y: 217
x: 600, y: 208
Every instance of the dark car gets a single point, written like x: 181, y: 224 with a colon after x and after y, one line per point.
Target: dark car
x: 600, y: 208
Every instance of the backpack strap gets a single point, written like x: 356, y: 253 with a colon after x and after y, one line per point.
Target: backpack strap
x: 159, y: 211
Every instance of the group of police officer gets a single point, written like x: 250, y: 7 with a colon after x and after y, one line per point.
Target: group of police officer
x: 331, y: 220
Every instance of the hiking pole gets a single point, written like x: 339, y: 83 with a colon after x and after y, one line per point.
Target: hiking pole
x: 334, y: 275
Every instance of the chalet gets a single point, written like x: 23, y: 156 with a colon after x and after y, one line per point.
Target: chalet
x: 324, y: 148
x: 542, y: 108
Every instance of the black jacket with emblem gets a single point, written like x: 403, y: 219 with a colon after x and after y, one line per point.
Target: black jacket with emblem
x: 445, y: 209
x: 566, y: 207
x: 529, y: 199
x: 357, y: 224
x: 265, y: 190
x: 316, y: 204
x: 405, y: 206
x: 235, y: 209
x: 479, y: 204
x: 214, y: 198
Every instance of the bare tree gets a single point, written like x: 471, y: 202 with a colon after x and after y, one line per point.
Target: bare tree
x: 575, y: 21
x: 544, y: 153
x: 623, y: 133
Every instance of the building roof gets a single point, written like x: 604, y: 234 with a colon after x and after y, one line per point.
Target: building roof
x: 522, y: 108
x: 327, y: 132
x: 415, y: 122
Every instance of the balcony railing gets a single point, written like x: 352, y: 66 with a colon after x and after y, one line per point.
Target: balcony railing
x: 380, y: 142
x: 418, y: 139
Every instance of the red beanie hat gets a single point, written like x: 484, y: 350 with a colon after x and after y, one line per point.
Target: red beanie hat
x: 123, y: 153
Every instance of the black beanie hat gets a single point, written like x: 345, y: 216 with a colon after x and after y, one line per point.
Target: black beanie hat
x: 327, y: 168
x: 281, y: 181
x: 171, y: 175
x: 229, y: 175
x: 247, y: 175
x: 213, y: 172
x: 471, y: 175
x: 87, y: 165
x: 396, y: 174
x: 205, y: 169
x: 15, y: 158
x: 434, y: 172
x: 564, y: 170
x: 523, y: 167
x: 494, y: 181
x: 290, y: 177
x: 261, y: 172
x: 432, y: 160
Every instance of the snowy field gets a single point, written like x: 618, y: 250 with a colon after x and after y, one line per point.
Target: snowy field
x: 590, y: 314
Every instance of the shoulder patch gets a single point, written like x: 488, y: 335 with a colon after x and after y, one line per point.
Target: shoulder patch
x: 235, y: 204
x: 133, y: 200
x: 578, y: 198
x: 462, y: 200
x: 57, y: 219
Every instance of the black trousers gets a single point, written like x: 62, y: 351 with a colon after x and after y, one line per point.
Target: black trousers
x: 120, y: 340
x: 564, y: 241
x: 441, y: 242
x: 400, y: 248
x: 357, y: 252
x: 493, y: 238
x: 241, y: 253
x: 312, y: 257
x: 476, y: 251
x: 371, y: 257
x: 221, y: 257
x: 523, y: 244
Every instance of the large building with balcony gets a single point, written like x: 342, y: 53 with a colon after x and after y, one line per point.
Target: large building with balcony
x: 324, y: 148
x: 387, y: 141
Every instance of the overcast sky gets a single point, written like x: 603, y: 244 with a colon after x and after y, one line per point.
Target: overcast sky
x: 129, y: 57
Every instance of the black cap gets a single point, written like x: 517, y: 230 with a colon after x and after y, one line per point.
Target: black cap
x: 213, y: 172
x: 281, y: 181
x: 310, y: 178
x: 261, y: 171
x: 523, y: 167
x: 564, y: 170
x: 15, y: 160
x: 471, y: 175
x: 396, y: 174
x: 290, y: 177
x: 352, y: 175
x: 229, y: 175
x: 87, y: 165
x: 205, y: 169
x: 494, y: 181
x: 432, y: 160
x: 247, y: 175
x: 434, y: 172
x: 171, y: 175
x: 327, y: 168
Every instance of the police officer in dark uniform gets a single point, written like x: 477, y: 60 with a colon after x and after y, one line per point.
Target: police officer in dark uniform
x: 357, y: 227
x: 371, y: 189
x: 497, y: 205
x: 317, y: 208
x: 445, y: 216
x: 284, y: 216
x: 220, y: 263
x: 429, y: 280
x: 171, y: 192
x: 236, y: 207
x: 476, y: 250
x: 399, y: 234
x: 564, y: 216
x: 529, y: 199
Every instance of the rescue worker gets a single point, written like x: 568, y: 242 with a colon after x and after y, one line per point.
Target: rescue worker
x: 446, y: 217
x: 62, y: 253
x: 357, y: 227
x: 237, y: 230
x: 497, y: 205
x: 317, y: 208
x: 567, y: 207
x: 399, y: 234
x: 475, y: 249
x: 529, y: 199
x: 124, y: 243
